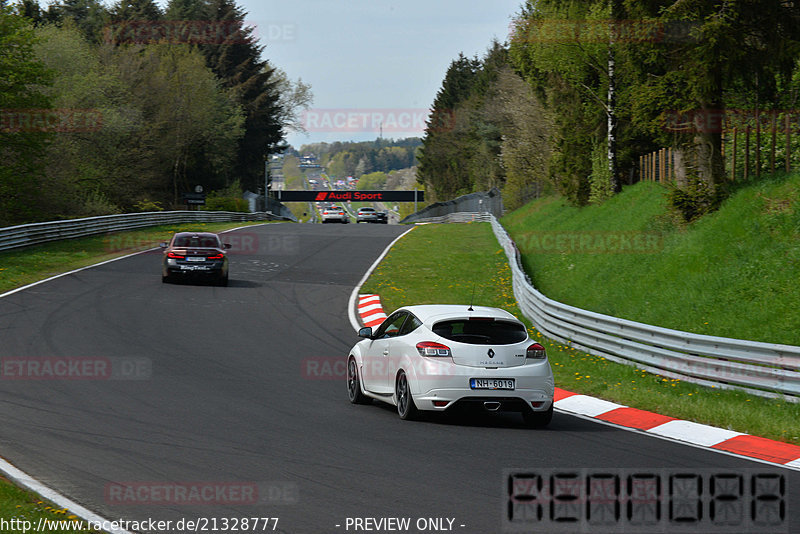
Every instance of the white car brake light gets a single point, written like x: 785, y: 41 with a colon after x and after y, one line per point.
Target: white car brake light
x: 535, y: 352
x: 433, y: 350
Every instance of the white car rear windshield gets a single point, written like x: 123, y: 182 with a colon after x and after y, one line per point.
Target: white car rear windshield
x: 478, y: 331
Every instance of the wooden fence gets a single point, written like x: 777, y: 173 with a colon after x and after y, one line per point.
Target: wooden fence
x: 658, y: 166
x: 752, y: 143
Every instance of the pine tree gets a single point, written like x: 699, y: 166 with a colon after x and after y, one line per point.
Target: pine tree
x: 238, y: 64
x: 136, y: 10
x: 31, y: 9
x: 186, y: 10
x: 443, y: 158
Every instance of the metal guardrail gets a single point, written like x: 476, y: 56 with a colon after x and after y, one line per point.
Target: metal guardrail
x: 32, y: 234
x: 461, y: 217
x: 764, y: 369
x: 481, y: 202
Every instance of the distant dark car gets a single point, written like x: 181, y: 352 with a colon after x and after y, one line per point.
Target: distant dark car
x: 195, y: 254
x: 371, y: 215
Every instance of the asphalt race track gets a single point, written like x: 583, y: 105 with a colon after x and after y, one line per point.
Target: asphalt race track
x: 238, y: 387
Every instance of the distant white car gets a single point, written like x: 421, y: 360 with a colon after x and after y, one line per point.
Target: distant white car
x: 448, y: 357
x: 335, y: 214
x: 367, y: 215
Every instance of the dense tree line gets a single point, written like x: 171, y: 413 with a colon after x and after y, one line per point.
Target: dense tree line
x: 487, y: 129
x: 358, y: 158
x: 606, y: 81
x: 113, y: 109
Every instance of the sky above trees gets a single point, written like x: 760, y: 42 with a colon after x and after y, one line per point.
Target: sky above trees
x: 373, y: 55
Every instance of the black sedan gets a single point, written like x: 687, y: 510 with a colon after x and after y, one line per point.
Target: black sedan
x: 195, y: 254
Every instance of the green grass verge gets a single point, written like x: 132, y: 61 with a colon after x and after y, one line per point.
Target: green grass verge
x: 21, y: 505
x: 31, y: 264
x: 300, y: 210
x: 733, y: 273
x: 444, y: 264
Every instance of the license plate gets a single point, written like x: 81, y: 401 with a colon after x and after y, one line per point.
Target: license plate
x: 194, y: 268
x: 195, y: 258
x: 491, y: 383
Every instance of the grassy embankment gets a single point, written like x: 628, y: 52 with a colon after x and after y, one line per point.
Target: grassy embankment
x: 733, y: 273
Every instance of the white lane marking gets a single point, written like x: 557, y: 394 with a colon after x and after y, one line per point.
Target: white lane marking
x: 28, y: 482
x: 7, y: 293
x: 795, y: 464
x: 585, y: 405
x: 694, y: 432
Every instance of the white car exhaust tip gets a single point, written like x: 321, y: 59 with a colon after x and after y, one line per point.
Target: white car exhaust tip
x: 491, y: 406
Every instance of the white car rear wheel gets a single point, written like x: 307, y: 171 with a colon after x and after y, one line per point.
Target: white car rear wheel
x: 354, y: 384
x: 405, y: 402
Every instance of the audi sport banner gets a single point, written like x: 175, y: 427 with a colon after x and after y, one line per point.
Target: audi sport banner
x: 348, y: 196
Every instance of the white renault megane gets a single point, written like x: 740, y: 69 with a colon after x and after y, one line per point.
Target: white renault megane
x: 446, y: 357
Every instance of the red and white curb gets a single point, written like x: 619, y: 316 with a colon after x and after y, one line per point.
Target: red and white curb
x: 775, y: 452
x: 768, y: 450
x: 370, y: 310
